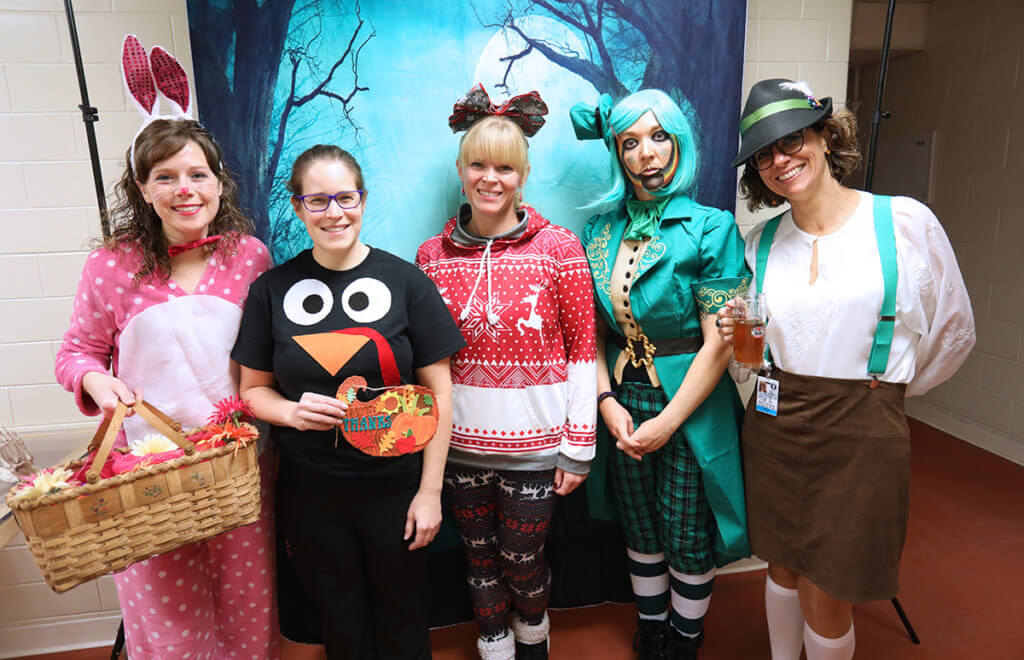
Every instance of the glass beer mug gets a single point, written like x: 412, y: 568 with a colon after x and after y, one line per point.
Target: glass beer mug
x: 749, y: 317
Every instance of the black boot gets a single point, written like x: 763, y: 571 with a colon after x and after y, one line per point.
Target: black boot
x: 538, y: 651
x: 531, y: 640
x: 681, y: 647
x: 651, y: 639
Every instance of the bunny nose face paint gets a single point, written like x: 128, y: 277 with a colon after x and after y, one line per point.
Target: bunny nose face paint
x: 185, y: 211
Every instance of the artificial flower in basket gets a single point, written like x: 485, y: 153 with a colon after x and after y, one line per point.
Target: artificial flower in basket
x: 231, y: 422
x: 45, y: 482
x: 100, y: 513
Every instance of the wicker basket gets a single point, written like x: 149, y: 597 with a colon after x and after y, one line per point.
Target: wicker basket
x: 83, y: 532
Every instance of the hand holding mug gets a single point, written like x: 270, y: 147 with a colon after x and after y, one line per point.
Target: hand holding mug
x: 749, y: 314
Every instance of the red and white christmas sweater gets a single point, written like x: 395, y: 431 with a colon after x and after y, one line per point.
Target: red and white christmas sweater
x: 524, y: 387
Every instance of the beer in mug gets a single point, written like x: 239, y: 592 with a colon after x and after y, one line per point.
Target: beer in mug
x: 749, y: 316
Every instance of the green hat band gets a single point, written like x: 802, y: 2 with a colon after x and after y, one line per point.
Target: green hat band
x: 771, y: 109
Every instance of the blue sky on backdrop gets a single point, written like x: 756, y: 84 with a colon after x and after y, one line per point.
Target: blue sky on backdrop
x: 418, y: 62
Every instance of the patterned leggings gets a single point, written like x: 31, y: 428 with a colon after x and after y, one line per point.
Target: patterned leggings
x: 503, y: 518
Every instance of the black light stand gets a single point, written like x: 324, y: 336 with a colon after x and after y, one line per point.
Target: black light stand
x: 877, y: 116
x: 90, y: 115
x: 876, y: 120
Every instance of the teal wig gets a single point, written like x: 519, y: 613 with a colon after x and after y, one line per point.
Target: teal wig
x: 606, y: 121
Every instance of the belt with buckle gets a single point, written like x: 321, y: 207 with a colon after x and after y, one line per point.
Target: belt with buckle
x: 649, y: 347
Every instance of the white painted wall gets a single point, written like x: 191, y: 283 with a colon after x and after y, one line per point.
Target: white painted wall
x: 48, y: 217
x: 967, y: 86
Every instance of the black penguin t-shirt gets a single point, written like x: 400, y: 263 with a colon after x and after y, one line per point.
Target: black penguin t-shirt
x: 290, y: 326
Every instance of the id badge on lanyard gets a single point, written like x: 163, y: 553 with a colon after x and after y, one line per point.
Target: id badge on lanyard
x: 767, y: 393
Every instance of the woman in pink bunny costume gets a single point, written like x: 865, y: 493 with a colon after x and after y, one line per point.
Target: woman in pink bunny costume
x: 159, y: 305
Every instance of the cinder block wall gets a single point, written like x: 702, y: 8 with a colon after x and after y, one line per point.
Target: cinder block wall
x: 801, y: 40
x: 48, y: 216
x: 48, y: 219
x: 48, y: 210
x: 967, y: 86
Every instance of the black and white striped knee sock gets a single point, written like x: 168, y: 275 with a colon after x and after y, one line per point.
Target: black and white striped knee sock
x: 649, y: 577
x: 691, y: 596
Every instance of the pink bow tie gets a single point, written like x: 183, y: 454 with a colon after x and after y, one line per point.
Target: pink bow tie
x: 182, y: 248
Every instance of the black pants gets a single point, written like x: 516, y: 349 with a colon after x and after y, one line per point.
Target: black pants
x: 347, y: 548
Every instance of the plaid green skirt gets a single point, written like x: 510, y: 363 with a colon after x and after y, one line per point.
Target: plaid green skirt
x: 661, y: 499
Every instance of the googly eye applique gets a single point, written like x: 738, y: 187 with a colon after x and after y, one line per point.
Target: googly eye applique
x: 308, y: 302
x: 366, y: 300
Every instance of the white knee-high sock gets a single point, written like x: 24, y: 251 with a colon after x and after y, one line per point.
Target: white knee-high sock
x: 826, y: 648
x: 785, y: 621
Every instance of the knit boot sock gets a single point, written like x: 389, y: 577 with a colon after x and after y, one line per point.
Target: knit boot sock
x: 785, y: 621
x: 531, y: 639
x: 503, y: 648
x: 827, y: 648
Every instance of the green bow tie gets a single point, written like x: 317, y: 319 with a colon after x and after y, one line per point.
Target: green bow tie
x: 643, y: 217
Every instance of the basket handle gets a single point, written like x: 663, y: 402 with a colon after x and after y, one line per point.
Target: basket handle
x: 103, y: 440
x: 161, y: 422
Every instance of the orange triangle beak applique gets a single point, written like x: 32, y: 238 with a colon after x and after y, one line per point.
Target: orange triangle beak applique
x: 331, y: 350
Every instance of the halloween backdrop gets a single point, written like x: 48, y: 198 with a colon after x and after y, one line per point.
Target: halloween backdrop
x: 379, y: 78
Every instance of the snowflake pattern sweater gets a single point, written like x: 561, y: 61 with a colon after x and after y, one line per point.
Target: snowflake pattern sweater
x: 524, y: 387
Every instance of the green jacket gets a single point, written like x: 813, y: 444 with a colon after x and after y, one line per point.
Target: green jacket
x: 694, y: 264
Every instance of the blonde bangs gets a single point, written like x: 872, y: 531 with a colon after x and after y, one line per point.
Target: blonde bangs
x: 497, y: 140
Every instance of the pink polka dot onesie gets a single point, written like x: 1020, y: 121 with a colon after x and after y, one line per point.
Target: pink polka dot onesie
x: 215, y: 598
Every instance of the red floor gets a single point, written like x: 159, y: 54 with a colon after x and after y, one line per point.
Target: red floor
x: 962, y: 583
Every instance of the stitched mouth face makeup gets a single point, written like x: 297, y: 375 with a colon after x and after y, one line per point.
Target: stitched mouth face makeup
x: 648, y: 153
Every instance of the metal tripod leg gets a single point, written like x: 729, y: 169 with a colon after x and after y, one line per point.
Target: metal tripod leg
x: 115, y: 652
x: 905, y: 620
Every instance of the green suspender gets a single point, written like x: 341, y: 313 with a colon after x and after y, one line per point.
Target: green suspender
x: 885, y: 234
x: 764, y: 246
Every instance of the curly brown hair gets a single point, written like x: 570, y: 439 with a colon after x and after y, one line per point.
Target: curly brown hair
x: 840, y: 131
x: 133, y: 220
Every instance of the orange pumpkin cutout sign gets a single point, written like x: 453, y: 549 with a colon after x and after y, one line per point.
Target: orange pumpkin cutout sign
x: 400, y: 420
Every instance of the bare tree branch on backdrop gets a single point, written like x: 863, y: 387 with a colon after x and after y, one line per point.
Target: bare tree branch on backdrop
x: 237, y: 66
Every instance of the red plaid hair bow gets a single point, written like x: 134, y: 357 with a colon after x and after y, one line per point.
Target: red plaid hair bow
x: 526, y: 110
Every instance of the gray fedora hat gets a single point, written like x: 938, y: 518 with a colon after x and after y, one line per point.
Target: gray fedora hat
x: 777, y: 107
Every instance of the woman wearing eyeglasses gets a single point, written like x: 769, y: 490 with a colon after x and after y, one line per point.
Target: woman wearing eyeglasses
x: 354, y: 524
x: 866, y: 306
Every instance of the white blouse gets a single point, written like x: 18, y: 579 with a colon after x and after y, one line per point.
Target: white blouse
x: 827, y: 328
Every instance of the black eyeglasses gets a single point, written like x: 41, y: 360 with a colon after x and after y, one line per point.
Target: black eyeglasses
x: 787, y: 144
x: 318, y: 202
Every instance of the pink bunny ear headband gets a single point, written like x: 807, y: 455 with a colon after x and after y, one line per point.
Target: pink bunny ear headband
x: 149, y: 78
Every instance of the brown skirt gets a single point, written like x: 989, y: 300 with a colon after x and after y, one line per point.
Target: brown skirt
x: 828, y: 483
